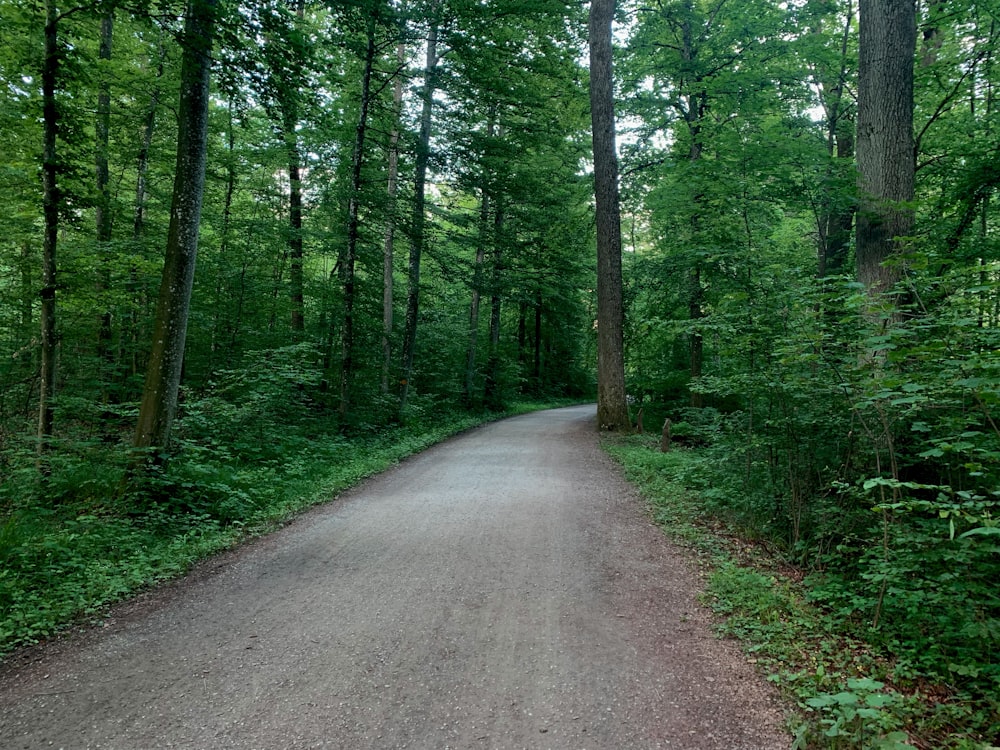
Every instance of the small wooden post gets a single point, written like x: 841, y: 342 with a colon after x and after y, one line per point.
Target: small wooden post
x: 665, y: 436
x: 638, y: 422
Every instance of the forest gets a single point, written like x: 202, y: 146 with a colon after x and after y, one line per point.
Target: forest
x: 252, y: 252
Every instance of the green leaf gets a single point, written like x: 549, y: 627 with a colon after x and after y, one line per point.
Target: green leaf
x: 879, y: 700
x: 823, y: 700
x: 846, y: 699
x: 864, y: 683
x: 981, y: 531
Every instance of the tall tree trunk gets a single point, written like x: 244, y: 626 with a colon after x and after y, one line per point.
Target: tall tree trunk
x: 353, y: 208
x: 50, y: 210
x: 159, y: 398
x: 417, y: 238
x: 295, y: 244
x: 693, y: 110
x: 886, y: 161
x: 223, y: 326
x: 612, y: 407
x: 138, y: 298
x: 105, y: 354
x: 522, y: 331
x: 390, y: 228
x: 477, y: 283
x: 477, y: 277
x: 142, y: 160
x: 492, y: 393
x: 536, y: 370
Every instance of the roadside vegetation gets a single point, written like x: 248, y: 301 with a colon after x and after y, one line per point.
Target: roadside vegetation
x: 250, y: 254
x: 63, y: 562
x: 917, y: 674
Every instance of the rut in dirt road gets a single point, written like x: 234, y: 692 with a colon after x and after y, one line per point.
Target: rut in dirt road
x: 501, y: 590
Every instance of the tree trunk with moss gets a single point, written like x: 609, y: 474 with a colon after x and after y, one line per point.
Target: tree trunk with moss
x: 163, y: 374
x: 612, y: 407
x: 885, y: 150
x: 50, y: 210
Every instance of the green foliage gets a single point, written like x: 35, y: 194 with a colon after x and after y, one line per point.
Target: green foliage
x: 858, y: 717
x: 63, y: 563
x: 854, y: 689
x: 261, y: 429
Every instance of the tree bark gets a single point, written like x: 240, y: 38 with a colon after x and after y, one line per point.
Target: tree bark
x: 477, y: 282
x: 492, y: 393
x: 138, y: 298
x: 102, y: 213
x: 390, y: 230
x: 163, y: 374
x: 353, y: 207
x: 522, y: 331
x: 612, y: 407
x: 50, y: 211
x: 223, y: 325
x: 536, y: 369
x: 885, y: 148
x: 417, y: 238
x: 665, y: 437
x: 142, y: 160
x: 295, y: 244
x: 477, y: 277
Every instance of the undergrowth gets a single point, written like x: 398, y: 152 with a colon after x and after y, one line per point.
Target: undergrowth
x: 72, y: 543
x: 851, y: 687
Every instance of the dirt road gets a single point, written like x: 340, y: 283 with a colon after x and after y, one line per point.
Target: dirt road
x: 501, y: 590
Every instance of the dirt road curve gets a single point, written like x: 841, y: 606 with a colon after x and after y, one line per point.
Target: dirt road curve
x: 502, y: 590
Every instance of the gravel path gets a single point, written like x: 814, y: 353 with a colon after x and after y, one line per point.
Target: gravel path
x: 502, y: 590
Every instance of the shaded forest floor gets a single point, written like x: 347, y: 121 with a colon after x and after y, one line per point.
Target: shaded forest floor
x: 850, y: 692
x: 75, y: 543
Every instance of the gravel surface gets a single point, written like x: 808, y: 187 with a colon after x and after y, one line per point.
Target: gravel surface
x: 505, y: 589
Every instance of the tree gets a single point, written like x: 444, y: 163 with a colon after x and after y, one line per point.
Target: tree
x: 709, y: 77
x: 290, y: 123
x: 832, y: 62
x: 242, y: 296
x: 885, y: 149
x: 50, y: 200
x: 288, y: 62
x: 103, y: 212
x: 419, y: 220
x: 392, y: 188
x: 612, y: 407
x: 477, y: 275
x: 349, y: 260
x: 163, y: 374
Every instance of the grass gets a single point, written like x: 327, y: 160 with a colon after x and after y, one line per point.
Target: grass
x: 845, y: 692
